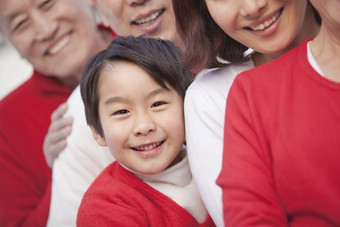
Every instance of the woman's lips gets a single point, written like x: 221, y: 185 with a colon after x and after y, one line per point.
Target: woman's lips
x: 151, y: 23
x: 265, y: 24
x: 147, y: 20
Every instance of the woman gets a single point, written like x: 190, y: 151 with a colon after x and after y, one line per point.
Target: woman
x: 281, y: 147
x: 226, y: 29
x: 57, y: 37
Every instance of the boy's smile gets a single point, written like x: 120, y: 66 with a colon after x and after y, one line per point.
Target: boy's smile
x: 148, y: 147
x: 142, y: 122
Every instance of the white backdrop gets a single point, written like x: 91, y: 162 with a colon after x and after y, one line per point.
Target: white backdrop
x: 13, y: 69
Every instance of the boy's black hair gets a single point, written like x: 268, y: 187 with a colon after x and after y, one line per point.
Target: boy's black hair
x: 159, y: 58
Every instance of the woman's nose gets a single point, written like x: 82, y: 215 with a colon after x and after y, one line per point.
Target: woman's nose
x: 252, y: 8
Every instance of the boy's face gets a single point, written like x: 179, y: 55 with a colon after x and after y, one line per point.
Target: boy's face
x: 142, y: 122
x: 154, y: 18
x: 56, y: 36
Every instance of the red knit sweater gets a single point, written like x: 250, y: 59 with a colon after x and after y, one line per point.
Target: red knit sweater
x: 119, y: 198
x: 25, y: 178
x: 282, y: 146
x: 25, y: 187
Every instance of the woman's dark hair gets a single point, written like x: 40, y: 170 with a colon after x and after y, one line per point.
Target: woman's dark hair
x: 317, y: 15
x: 159, y: 58
x: 203, y: 39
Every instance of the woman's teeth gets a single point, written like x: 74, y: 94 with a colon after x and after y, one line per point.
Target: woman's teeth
x: 148, y: 147
x: 59, y: 45
x: 148, y: 19
x: 267, y: 23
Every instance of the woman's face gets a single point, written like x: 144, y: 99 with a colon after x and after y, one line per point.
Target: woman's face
x: 267, y: 26
x: 56, y: 36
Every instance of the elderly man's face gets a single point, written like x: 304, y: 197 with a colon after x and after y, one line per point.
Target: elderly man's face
x: 56, y: 36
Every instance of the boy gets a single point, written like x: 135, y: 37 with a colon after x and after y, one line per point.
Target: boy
x: 80, y: 162
x: 133, y: 95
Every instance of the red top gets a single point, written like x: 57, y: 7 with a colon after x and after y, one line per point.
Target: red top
x: 119, y: 198
x: 25, y: 177
x: 282, y: 146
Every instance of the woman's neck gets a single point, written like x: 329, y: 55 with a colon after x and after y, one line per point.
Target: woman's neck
x: 326, y: 51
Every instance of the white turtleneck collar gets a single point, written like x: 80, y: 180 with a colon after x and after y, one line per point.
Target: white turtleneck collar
x: 177, y: 183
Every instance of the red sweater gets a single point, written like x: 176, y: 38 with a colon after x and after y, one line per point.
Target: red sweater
x: 282, y: 146
x: 25, y: 178
x: 119, y: 198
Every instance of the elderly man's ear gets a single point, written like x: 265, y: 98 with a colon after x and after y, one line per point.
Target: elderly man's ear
x: 101, y: 14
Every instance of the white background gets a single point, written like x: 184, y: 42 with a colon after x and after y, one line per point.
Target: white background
x: 13, y: 69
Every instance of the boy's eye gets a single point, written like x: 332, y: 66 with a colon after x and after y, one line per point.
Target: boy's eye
x: 156, y: 104
x: 120, y: 112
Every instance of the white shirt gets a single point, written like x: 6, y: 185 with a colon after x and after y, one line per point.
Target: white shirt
x: 76, y: 167
x: 312, y: 60
x: 176, y: 182
x: 204, y: 108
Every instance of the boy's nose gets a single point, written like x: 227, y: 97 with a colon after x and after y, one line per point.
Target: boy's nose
x: 143, y: 126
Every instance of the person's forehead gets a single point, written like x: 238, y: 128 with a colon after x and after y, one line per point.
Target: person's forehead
x: 109, y: 2
x: 121, y: 2
x: 9, y: 9
x: 8, y: 6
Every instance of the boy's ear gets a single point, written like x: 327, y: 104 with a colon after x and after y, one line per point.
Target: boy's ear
x: 97, y: 137
x: 101, y: 14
